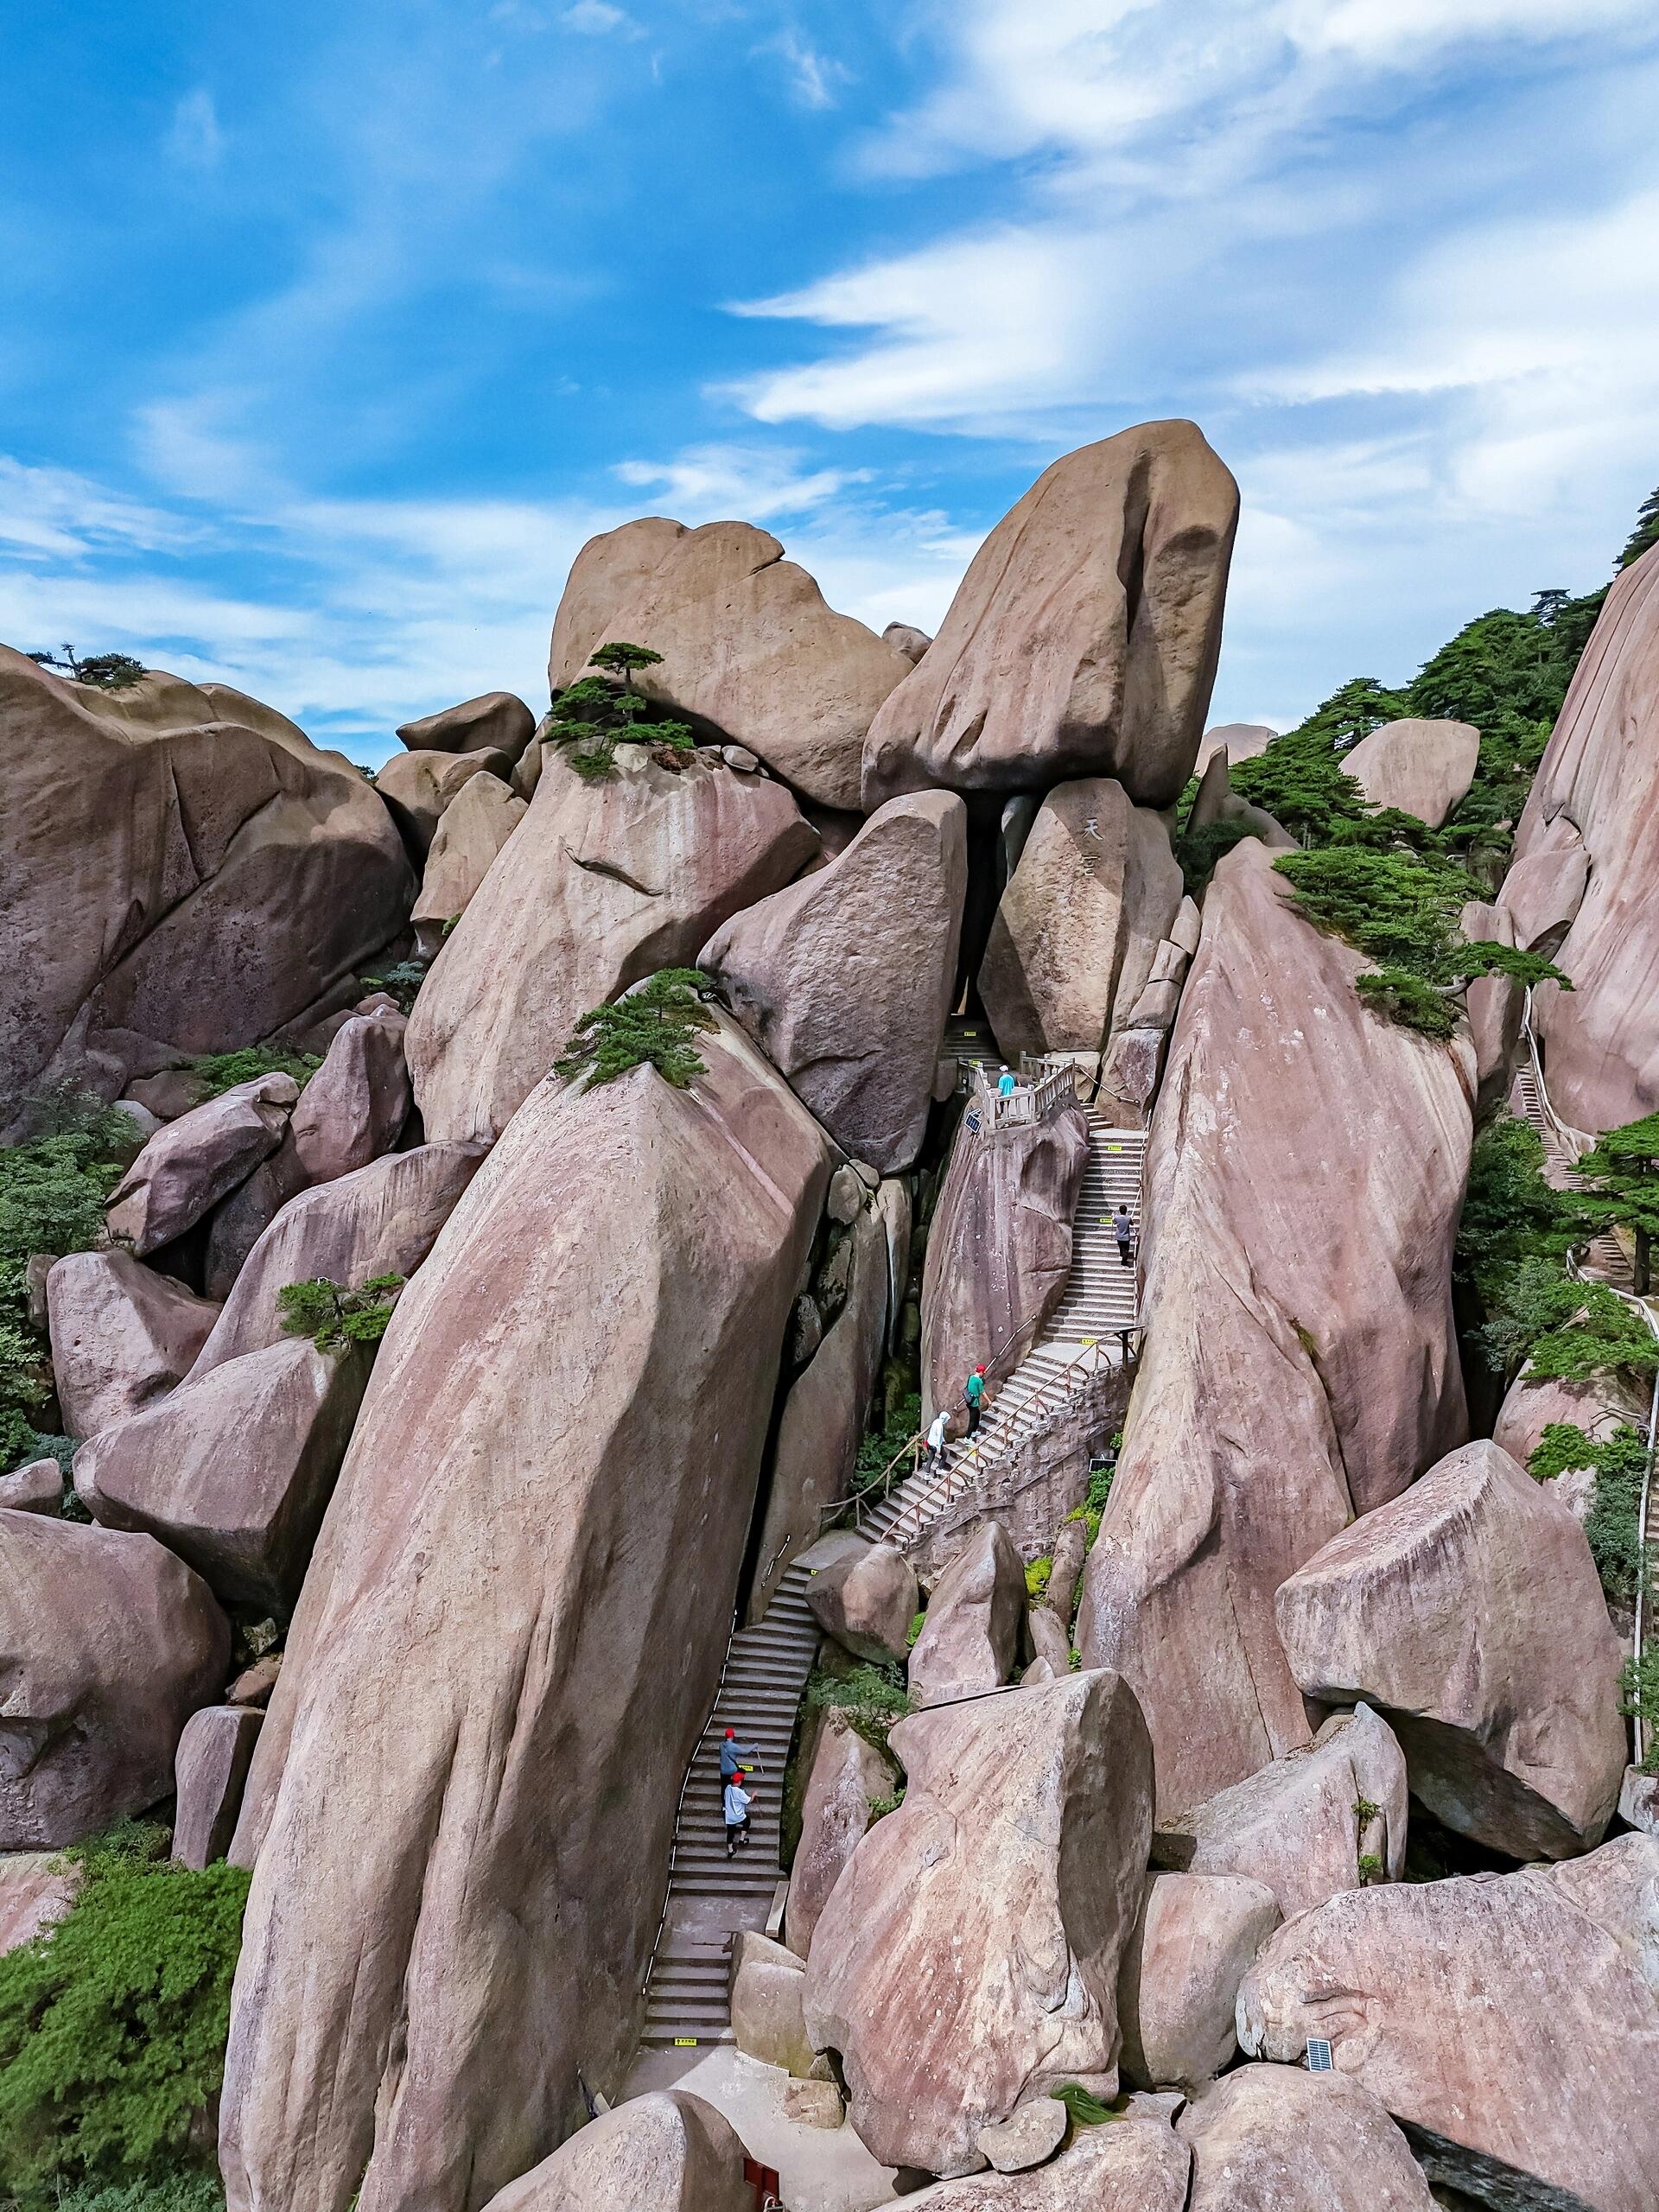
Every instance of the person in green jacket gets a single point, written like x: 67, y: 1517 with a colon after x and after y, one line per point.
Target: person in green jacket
x: 975, y: 1394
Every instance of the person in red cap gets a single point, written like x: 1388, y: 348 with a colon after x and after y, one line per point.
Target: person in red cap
x: 734, y: 1755
x: 734, y: 1803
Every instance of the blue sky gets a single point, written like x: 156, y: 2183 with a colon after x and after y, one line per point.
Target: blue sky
x: 332, y: 332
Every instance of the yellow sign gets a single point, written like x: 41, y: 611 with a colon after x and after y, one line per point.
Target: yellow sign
x: 686, y: 2043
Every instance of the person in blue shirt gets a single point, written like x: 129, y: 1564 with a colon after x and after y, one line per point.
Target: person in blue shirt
x: 1006, y: 1085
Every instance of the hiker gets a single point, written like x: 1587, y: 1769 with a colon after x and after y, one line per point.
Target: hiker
x: 734, y: 1755
x: 735, y: 1802
x: 974, y: 1392
x: 936, y: 1439
x: 1123, y: 1230
x: 1006, y: 1085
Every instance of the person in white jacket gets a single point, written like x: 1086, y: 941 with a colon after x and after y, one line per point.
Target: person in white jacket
x: 736, y: 1802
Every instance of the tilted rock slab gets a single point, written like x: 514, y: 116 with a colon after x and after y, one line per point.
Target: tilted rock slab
x: 107, y: 1645
x: 999, y: 1249
x: 668, y: 2152
x: 463, y: 1799
x: 1178, y: 1980
x: 768, y: 1984
x: 496, y: 721
x: 847, y: 1776
x: 845, y: 979
x: 354, y: 1107
x: 971, y: 1635
x: 1269, y: 2138
x: 1470, y: 1612
x: 867, y: 1602
x: 1599, y: 779
x: 209, y: 1772
x: 1137, y: 2163
x: 472, y: 831
x: 1078, y: 925
x: 379, y: 1220
x: 192, y: 884
x: 1305, y: 1171
x: 968, y: 1957
x: 602, y: 884
x: 1512, y: 2016
x: 189, y: 1165
x: 1495, y: 1005
x: 121, y: 1335
x: 419, y: 788
x: 1423, y: 768
x: 1083, y: 641
x: 750, y: 649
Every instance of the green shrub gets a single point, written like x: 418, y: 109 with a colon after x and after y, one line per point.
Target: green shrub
x: 917, y: 1621
x: 185, y: 2192
x: 113, y: 2024
x: 1370, y: 1868
x: 1038, y: 1573
x: 880, y: 1807
x: 881, y: 1446
x: 1083, y: 2107
x: 1510, y: 1212
x: 402, y: 981
x: 1620, y: 1465
x: 1563, y: 1330
x: 873, y: 1697
x: 1638, y: 1696
x: 592, y: 716
x: 334, y: 1317
x: 222, y: 1072
x: 1095, y: 1497
x: 652, y: 1026
x: 105, y: 671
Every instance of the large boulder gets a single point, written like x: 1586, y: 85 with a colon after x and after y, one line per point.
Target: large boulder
x: 605, y: 883
x: 107, y: 1645
x: 1270, y: 2140
x: 1511, y: 2020
x: 847, y: 1776
x: 967, y: 1958
x: 1178, y: 1980
x: 768, y: 1989
x: 846, y: 978
x: 970, y: 1636
x: 1423, y: 768
x: 1599, y: 1405
x: 999, y: 1247
x: 1470, y: 1612
x: 866, y: 1601
x: 121, y: 1335
x: 472, y: 831
x: 420, y: 787
x: 171, y: 889
x: 1136, y: 2163
x: 668, y: 2152
x: 354, y: 1107
x: 1495, y: 1005
x: 1597, y: 789
x: 750, y: 650
x: 234, y: 1471
x: 36, y: 1889
x: 379, y: 1220
x: 1303, y: 1175
x: 1308, y: 1825
x: 189, y: 1165
x: 496, y: 721
x: 1078, y: 926
x: 1083, y: 641
x: 462, y: 1803
x: 209, y: 1772
x: 1238, y: 740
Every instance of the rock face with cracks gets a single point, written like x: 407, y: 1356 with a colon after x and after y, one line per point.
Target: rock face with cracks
x: 1271, y: 2139
x: 1178, y: 1981
x: 750, y: 650
x: 107, y: 1645
x: 845, y: 979
x: 455, y: 1894
x: 121, y: 1335
x: 1305, y: 1171
x: 667, y: 2152
x: 472, y: 831
x: 967, y: 1958
x: 419, y: 789
x: 602, y: 884
x: 1598, y: 788
x: 1137, y: 2164
x: 971, y: 1633
x: 1470, y: 1611
x: 1083, y: 641
x: 176, y: 879
x: 849, y: 1775
x: 1511, y: 2018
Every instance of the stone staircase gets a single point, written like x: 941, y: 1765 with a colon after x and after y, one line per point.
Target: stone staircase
x: 1605, y: 1259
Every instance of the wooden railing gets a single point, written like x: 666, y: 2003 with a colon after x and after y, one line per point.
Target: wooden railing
x: 1026, y: 1103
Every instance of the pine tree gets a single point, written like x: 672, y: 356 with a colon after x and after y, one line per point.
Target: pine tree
x: 1622, y: 1173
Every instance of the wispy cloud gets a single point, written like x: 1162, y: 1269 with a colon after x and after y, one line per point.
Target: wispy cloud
x: 194, y: 139
x: 814, y: 79
x: 718, y: 483
x: 598, y: 19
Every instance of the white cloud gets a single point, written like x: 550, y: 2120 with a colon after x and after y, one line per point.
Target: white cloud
x: 598, y: 19
x: 718, y: 483
x: 815, y: 80
x: 195, y: 140
x: 53, y: 511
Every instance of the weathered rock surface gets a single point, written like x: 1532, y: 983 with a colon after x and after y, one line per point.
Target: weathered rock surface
x: 238, y: 1222
x: 36, y: 1889
x: 1032, y: 2133
x: 352, y: 1109
x: 1083, y: 639
x: 1178, y: 1981
x: 107, y: 1645
x: 474, y: 1877
x: 496, y: 721
x: 1423, y: 768
x: 1544, y: 890
x: 1078, y: 925
x: 472, y: 831
x: 1513, y: 2016
x: 1598, y: 1406
x: 171, y: 890
x: 1135, y: 2165
x: 1304, y: 1172
x: 1470, y: 1611
x: 667, y: 2152
x: 867, y: 1602
x: 999, y: 1249
x: 1272, y: 2140
x: 908, y: 640
x: 848, y: 1775
x: 121, y: 1335
x: 749, y: 648
x: 1600, y: 778
x: 36, y: 1488
x: 418, y: 789
x: 210, y: 1770
x: 970, y: 1637
x: 234, y: 1471
x: 846, y: 978
x: 606, y: 883
x: 1494, y: 1004
x: 967, y: 1958
x: 1297, y: 1826
x: 1238, y: 740
x: 822, y: 1420
x: 380, y: 1220
x: 189, y: 1166
x: 767, y: 1986
x: 1067, y: 1556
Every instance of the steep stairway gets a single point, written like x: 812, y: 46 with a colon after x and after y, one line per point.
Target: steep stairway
x: 1605, y: 1259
